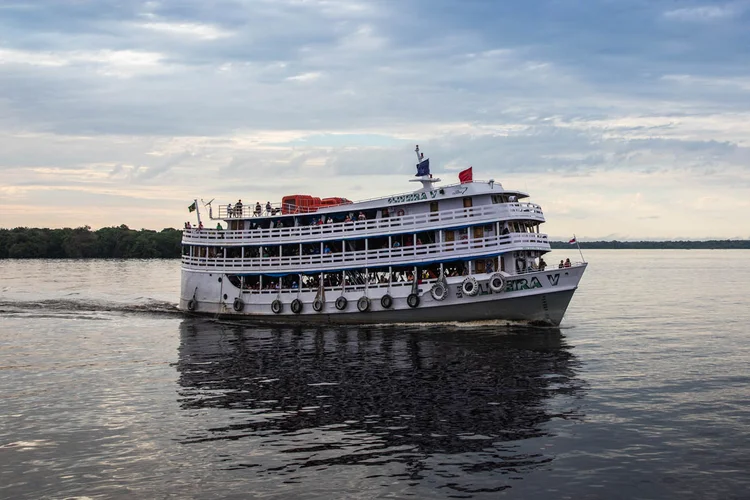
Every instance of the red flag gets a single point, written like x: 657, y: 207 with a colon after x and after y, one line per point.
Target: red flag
x: 466, y: 176
x: 573, y: 240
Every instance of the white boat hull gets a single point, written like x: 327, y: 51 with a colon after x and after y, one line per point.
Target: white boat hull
x: 539, y: 297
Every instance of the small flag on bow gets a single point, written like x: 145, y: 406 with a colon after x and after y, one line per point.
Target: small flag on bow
x: 466, y: 176
x: 573, y: 240
x: 191, y: 208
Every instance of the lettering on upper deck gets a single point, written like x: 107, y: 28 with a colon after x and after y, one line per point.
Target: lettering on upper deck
x: 406, y: 198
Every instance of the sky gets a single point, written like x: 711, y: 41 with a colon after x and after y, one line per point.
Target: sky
x: 623, y: 119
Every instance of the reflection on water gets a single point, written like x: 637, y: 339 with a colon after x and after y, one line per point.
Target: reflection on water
x: 422, y: 398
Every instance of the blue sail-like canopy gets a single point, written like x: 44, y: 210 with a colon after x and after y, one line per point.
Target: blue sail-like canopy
x: 423, y: 168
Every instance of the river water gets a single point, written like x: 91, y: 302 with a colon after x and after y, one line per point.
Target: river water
x: 643, y: 392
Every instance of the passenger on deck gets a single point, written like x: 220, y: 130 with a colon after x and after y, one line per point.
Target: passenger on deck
x: 218, y: 226
x: 330, y: 220
x: 238, y: 208
x: 361, y: 216
x: 542, y: 264
x: 258, y: 210
x: 229, y: 210
x: 348, y: 219
x: 562, y: 264
x: 200, y: 225
x: 268, y: 208
x: 567, y: 262
x: 326, y: 249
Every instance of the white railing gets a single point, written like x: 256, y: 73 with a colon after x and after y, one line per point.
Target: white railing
x: 382, y: 257
x: 370, y: 227
x: 253, y: 210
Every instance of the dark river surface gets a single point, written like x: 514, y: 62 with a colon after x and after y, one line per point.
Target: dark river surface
x: 106, y: 391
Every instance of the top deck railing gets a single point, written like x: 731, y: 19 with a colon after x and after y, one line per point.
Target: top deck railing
x: 274, y: 209
x: 396, y: 224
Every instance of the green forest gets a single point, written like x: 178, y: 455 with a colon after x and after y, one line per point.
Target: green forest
x: 83, y: 243
x: 124, y: 243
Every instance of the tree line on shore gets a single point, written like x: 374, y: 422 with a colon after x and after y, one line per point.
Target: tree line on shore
x: 124, y: 243
x: 656, y: 245
x: 82, y: 243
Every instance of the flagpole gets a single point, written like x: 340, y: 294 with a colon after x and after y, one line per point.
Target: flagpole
x: 579, y: 247
x: 197, y: 211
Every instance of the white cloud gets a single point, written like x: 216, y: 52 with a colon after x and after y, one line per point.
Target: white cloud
x: 703, y: 13
x: 187, y: 30
x: 305, y: 77
x: 122, y: 63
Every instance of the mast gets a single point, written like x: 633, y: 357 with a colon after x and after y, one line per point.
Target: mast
x: 423, y: 171
x: 197, y: 211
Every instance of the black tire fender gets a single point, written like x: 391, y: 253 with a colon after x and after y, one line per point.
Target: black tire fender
x: 341, y: 303
x: 363, y: 304
x: 277, y: 306
x: 412, y: 300
x: 386, y: 301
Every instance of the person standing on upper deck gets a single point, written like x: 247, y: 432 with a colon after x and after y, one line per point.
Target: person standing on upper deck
x: 269, y: 209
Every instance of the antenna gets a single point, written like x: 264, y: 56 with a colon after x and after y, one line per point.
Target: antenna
x: 417, y: 151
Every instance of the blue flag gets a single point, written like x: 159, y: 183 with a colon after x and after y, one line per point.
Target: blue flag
x: 423, y: 168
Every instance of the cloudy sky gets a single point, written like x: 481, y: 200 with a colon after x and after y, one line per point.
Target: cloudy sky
x: 625, y: 119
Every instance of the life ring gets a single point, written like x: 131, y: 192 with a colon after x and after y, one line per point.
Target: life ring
x: 341, y: 303
x: 386, y: 301
x: 296, y: 306
x: 276, y: 306
x: 318, y: 305
x: 191, y: 305
x: 363, y: 304
x: 238, y: 304
x: 412, y: 300
x: 400, y: 212
x: 439, y: 291
x: 470, y: 286
x: 497, y: 283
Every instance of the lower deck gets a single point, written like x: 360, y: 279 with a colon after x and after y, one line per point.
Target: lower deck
x: 537, y: 296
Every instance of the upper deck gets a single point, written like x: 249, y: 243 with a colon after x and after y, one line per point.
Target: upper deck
x: 407, y: 223
x: 253, y: 211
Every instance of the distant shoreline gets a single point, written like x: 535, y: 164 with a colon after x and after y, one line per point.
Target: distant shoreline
x: 121, y: 242
x: 656, y: 245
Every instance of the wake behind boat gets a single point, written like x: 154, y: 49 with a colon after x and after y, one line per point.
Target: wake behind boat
x: 463, y: 252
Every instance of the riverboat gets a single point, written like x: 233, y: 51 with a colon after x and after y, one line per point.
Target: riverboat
x: 471, y: 251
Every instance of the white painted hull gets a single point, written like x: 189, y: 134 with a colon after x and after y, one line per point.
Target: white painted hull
x: 541, y: 296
